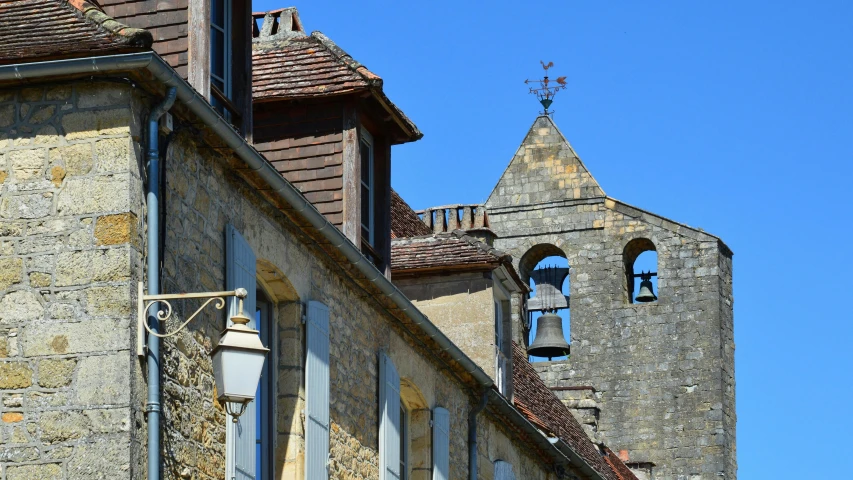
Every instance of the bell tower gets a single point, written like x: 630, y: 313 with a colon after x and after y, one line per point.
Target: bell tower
x: 655, y: 345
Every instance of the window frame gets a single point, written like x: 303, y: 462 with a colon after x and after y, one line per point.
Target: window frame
x: 227, y: 31
x: 405, y: 440
x: 366, y: 137
x: 500, y: 297
x: 264, y: 430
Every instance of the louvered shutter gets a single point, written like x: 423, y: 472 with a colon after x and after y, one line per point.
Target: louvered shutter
x: 389, y: 418
x: 503, y: 471
x: 317, y: 393
x: 440, y: 444
x: 240, y: 436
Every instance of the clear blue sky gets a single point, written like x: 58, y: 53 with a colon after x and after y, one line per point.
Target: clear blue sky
x: 736, y: 117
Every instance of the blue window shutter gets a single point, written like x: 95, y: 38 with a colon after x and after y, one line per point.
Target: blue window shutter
x: 503, y: 471
x: 440, y: 444
x: 317, y: 393
x: 389, y: 419
x: 240, y: 436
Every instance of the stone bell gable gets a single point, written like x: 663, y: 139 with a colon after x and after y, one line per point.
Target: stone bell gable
x: 544, y: 169
x: 663, y: 371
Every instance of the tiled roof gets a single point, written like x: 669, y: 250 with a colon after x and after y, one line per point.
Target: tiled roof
x: 306, y: 66
x: 298, y: 66
x: 536, y: 401
x: 443, y: 251
x: 404, y: 221
x: 33, y: 29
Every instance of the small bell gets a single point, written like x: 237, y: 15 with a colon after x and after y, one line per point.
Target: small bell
x: 550, y: 341
x: 646, y: 293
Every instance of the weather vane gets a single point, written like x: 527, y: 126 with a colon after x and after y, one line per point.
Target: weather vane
x: 544, y: 93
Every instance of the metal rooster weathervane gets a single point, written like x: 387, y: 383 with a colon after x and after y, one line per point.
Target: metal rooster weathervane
x: 546, y: 93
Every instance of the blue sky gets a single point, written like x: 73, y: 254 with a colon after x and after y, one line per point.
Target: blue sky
x: 736, y: 117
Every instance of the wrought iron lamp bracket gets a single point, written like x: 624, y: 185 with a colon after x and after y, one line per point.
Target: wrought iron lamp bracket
x: 144, y: 303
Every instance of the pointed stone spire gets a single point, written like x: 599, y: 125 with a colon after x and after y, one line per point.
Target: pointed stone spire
x: 545, y: 169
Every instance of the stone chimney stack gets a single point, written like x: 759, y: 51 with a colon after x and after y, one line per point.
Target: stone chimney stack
x: 281, y: 24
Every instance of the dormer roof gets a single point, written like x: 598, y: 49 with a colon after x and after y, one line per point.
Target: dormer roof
x: 287, y: 64
x: 41, y: 29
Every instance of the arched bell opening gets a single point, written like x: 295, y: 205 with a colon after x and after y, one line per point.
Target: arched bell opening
x: 546, y: 269
x: 641, y: 271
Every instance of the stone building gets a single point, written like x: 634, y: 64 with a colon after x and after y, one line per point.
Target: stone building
x: 126, y: 162
x: 654, y: 380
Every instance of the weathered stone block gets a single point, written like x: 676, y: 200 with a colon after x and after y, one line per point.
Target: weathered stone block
x: 7, y: 115
x: 103, y: 380
x: 27, y: 164
x: 115, y: 229
x: 101, y: 95
x: 38, y: 279
x: 83, y: 267
x: 94, y: 335
x: 12, y: 417
x: 20, y: 306
x: 61, y: 426
x: 113, y: 154
x: 112, y: 301
x: 109, y: 420
x: 49, y: 471
x: 11, y: 272
x: 15, y: 375
x: 95, y: 123
x: 78, y: 158
x: 60, y: 92
x: 106, y: 193
x: 56, y: 373
x: 42, y: 114
x: 17, y: 455
x: 34, y: 205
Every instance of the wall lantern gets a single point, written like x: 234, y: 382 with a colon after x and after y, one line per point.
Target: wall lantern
x: 237, y: 359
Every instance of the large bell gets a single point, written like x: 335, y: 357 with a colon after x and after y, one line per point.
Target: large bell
x: 646, y: 294
x: 550, y: 341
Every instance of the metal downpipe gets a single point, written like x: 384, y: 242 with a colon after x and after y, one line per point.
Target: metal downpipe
x: 152, y: 406
x: 472, y: 435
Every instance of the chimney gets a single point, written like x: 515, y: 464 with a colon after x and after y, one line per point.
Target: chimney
x: 281, y: 24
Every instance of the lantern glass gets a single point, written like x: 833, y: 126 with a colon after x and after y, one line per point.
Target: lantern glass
x: 237, y: 364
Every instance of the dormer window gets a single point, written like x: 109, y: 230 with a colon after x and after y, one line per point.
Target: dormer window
x: 368, y: 189
x: 220, y: 57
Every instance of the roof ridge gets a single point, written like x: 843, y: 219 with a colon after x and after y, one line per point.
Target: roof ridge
x: 92, y: 13
x: 371, y: 78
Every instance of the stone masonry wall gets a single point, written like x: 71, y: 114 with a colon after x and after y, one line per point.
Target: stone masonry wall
x: 203, y: 194
x: 463, y: 307
x: 664, y: 370
x: 70, y: 250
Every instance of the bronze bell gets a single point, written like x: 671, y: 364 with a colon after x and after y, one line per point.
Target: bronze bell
x: 646, y: 294
x: 550, y: 341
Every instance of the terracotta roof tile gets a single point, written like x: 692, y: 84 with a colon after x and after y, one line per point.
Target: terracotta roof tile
x: 32, y: 29
x: 404, y: 221
x: 443, y: 250
x: 536, y: 401
x: 304, y: 67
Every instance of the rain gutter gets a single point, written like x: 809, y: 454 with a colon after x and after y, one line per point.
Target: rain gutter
x: 152, y: 406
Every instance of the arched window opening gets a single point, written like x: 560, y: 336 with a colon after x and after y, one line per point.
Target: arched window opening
x: 548, y: 306
x: 415, y: 461
x: 641, y: 271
